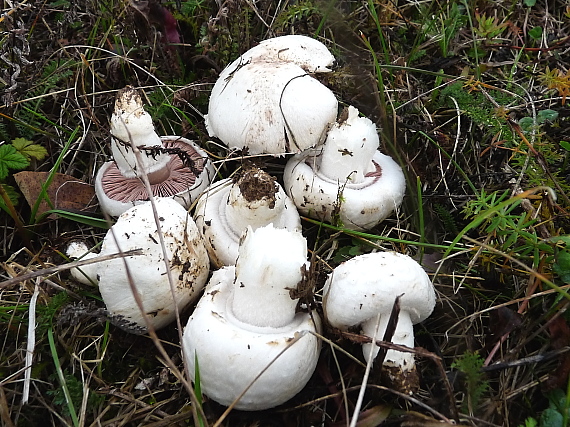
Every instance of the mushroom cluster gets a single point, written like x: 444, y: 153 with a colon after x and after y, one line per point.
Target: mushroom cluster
x: 255, y: 343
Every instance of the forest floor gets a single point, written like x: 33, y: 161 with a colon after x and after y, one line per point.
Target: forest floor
x: 470, y: 99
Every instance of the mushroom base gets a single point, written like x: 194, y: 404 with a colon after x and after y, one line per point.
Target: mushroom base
x: 404, y: 381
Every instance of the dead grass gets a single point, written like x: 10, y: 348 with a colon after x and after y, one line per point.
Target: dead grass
x: 450, y: 89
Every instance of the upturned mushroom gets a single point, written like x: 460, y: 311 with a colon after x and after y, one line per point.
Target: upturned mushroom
x: 360, y: 289
x: 227, y: 208
x: 346, y: 177
x: 245, y: 331
x: 134, y: 229
x: 175, y: 166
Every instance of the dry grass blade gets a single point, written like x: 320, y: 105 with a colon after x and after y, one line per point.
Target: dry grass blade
x: 74, y: 264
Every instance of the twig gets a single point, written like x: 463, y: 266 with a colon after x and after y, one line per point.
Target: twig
x: 31, y: 343
x: 52, y: 270
x: 360, y: 398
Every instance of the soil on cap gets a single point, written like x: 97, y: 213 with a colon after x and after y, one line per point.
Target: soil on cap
x: 256, y: 184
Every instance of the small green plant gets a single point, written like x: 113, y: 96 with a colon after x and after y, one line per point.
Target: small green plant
x: 355, y: 248
x: 543, y: 116
x: 488, y: 27
x: 300, y: 10
x: 75, y: 389
x: 475, y: 383
x: 556, y: 80
x: 557, y: 413
x: 447, y: 218
x: 446, y: 26
x: 13, y: 158
x: 510, y: 229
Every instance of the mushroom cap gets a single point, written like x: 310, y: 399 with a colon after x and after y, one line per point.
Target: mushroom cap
x: 224, y: 211
x: 362, y: 287
x: 188, y: 259
x: 86, y: 274
x: 362, y: 206
x: 116, y: 193
x: 231, y: 353
x: 308, y: 53
x: 270, y: 107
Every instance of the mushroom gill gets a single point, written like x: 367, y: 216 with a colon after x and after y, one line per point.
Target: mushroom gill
x: 178, y: 178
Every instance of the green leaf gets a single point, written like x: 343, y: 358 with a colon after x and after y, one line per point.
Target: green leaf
x: 11, y: 159
x: 530, y: 422
x: 529, y: 3
x: 565, y: 145
x: 82, y: 219
x: 562, y: 266
x: 526, y: 123
x: 559, y: 240
x: 544, y: 115
x: 536, y: 33
x: 28, y: 149
x: 551, y: 418
x: 12, y: 194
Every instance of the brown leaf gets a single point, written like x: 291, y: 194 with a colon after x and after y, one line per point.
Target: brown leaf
x: 374, y: 416
x: 559, y: 333
x: 504, y: 321
x: 559, y: 338
x: 65, y: 192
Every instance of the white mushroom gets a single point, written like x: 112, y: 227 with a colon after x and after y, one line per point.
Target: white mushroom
x: 270, y: 107
x: 308, y: 53
x: 185, y: 251
x: 246, y: 322
x: 346, y: 176
x: 227, y: 208
x: 175, y: 166
x: 87, y: 274
x: 360, y: 289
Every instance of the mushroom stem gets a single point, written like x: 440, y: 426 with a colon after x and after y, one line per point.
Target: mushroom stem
x: 269, y: 265
x: 132, y: 125
x: 403, y: 335
x: 349, y: 148
x: 257, y: 212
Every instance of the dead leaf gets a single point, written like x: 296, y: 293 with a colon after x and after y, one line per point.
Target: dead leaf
x: 374, y: 416
x: 504, y: 321
x: 65, y: 192
x: 559, y: 338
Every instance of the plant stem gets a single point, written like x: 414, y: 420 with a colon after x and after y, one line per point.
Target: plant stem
x: 22, y: 231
